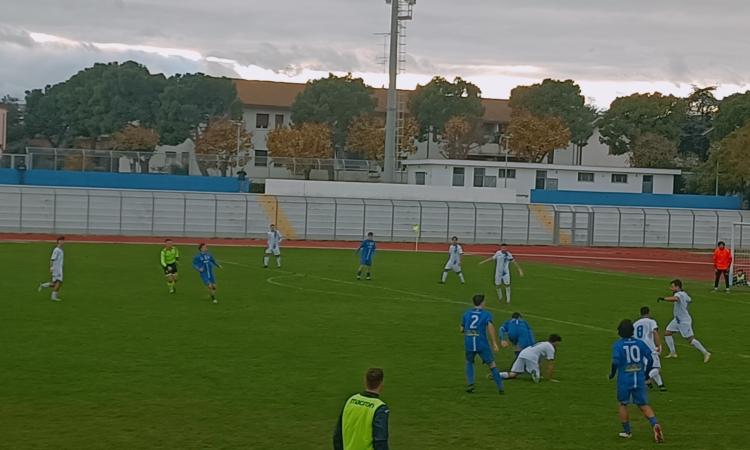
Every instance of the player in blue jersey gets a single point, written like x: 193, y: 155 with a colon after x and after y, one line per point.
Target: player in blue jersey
x: 476, y: 326
x: 204, y: 263
x: 366, y: 252
x: 516, y: 331
x: 630, y: 357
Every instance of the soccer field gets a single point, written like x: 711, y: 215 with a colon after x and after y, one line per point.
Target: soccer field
x: 121, y: 364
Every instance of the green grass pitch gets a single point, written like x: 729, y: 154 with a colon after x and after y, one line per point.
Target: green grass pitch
x: 121, y: 364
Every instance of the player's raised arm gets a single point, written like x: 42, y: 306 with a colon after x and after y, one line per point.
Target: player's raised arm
x: 518, y: 267
x: 487, y: 260
x: 667, y: 299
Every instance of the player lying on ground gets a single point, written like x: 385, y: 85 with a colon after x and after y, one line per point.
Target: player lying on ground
x: 682, y: 322
x: 722, y: 263
x: 204, y: 263
x: 55, y: 270
x: 168, y: 259
x: 502, y: 259
x: 629, y: 361
x: 528, y: 360
x: 516, y: 331
x: 476, y: 326
x: 647, y: 330
x: 366, y: 252
x: 274, y: 242
x: 455, y: 252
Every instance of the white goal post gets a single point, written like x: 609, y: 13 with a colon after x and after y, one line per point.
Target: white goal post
x: 740, y: 248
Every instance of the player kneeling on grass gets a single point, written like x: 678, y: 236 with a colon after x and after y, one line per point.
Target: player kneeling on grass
x: 55, y: 270
x: 682, y: 322
x: 454, y: 261
x: 366, y: 252
x: 168, y: 258
x: 629, y: 361
x: 476, y: 326
x: 528, y: 360
x: 647, y: 330
x: 518, y: 332
x: 274, y: 241
x: 204, y: 263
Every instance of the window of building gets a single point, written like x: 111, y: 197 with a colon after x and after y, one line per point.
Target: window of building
x: 420, y: 177
x: 648, y: 184
x: 506, y: 173
x: 619, y: 178
x: 185, y: 163
x: 171, y: 158
x: 261, y: 120
x: 541, y: 179
x: 458, y: 176
x: 261, y: 158
x: 586, y: 177
x: 279, y: 121
x: 482, y: 180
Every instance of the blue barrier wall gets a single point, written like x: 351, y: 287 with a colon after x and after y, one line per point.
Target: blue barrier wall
x: 628, y: 199
x: 120, y: 180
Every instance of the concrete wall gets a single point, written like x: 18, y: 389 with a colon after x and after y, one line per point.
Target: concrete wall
x: 386, y: 191
x: 61, y: 178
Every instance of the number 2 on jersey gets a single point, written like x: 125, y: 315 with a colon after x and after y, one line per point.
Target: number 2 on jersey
x: 474, y: 321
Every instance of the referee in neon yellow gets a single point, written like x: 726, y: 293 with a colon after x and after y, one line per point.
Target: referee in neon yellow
x: 363, y: 423
x: 169, y: 257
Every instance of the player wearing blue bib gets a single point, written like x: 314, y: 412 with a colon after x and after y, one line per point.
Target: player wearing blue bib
x: 518, y: 332
x: 476, y: 325
x: 366, y: 252
x: 630, y: 357
x: 204, y: 263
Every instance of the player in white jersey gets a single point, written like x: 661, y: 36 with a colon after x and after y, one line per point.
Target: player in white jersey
x: 647, y: 330
x: 55, y: 270
x: 454, y: 261
x: 682, y: 322
x: 502, y: 259
x: 274, y: 240
x: 528, y: 360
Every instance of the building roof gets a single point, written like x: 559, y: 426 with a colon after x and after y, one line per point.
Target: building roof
x: 536, y: 166
x: 275, y: 94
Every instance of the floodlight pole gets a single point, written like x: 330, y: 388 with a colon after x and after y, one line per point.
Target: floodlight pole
x: 389, y: 159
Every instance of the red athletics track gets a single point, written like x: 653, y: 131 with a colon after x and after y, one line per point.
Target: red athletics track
x: 655, y: 262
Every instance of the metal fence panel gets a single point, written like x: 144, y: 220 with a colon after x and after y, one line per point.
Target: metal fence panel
x: 461, y: 221
x: 434, y: 222
x: 705, y: 229
x: 489, y: 222
x: 10, y: 210
x: 321, y: 217
x: 606, y: 226
x: 350, y: 214
x: 657, y: 228
x: 38, y: 211
x: 406, y: 214
x: 200, y: 215
x: 515, y: 224
x: 378, y: 219
x: 230, y: 216
x: 632, y: 227
x: 680, y: 228
x: 169, y: 214
x: 105, y: 212
x: 71, y: 211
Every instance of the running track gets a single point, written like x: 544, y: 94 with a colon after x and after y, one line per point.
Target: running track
x: 654, y: 262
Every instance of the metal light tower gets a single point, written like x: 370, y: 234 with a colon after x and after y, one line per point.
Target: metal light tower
x: 400, y: 10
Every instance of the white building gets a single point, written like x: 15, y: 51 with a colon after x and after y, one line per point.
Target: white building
x: 524, y: 177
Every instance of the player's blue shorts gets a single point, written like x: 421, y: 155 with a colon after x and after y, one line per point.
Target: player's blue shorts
x: 365, y: 261
x: 628, y: 394
x: 208, y: 279
x: 485, y: 354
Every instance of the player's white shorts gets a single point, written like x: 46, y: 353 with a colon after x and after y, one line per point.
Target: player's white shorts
x: 657, y: 361
x: 684, y: 328
x: 504, y: 279
x: 454, y: 267
x: 57, y: 275
x: 275, y: 250
x: 523, y: 365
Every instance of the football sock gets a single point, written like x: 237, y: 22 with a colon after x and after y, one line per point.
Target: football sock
x: 507, y: 294
x: 626, y: 427
x: 696, y: 343
x: 504, y: 375
x: 461, y: 277
x: 278, y: 261
x: 670, y: 343
x: 498, y: 379
x: 445, y: 276
x: 54, y: 295
x: 469, y: 372
x: 652, y: 420
x: 500, y: 293
x: 46, y: 285
x: 656, y: 376
x: 265, y: 261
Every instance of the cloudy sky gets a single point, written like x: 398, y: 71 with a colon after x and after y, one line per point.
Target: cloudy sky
x: 610, y: 47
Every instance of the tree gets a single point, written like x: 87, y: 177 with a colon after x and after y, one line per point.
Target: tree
x: 437, y: 102
x: 225, y: 143
x: 561, y: 99
x: 15, y: 129
x: 533, y: 137
x: 728, y: 159
x: 460, y: 136
x: 702, y: 108
x: 334, y: 101
x: 733, y: 113
x: 366, y: 136
x: 631, y: 116
x: 654, y: 151
x: 135, y: 138
x: 96, y: 101
x: 301, y: 144
x: 188, y: 102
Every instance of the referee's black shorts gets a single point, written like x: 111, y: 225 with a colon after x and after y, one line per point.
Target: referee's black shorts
x: 170, y: 269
